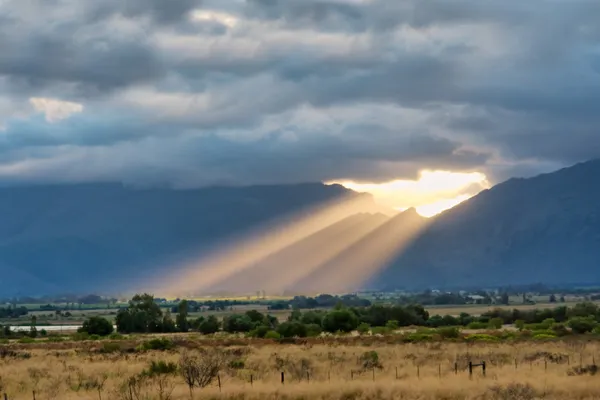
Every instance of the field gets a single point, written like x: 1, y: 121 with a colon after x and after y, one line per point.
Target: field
x: 78, y: 316
x: 359, y: 368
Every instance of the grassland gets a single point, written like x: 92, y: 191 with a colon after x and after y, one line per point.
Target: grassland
x: 318, y: 368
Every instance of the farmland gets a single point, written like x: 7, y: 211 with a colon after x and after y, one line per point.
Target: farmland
x: 317, y: 368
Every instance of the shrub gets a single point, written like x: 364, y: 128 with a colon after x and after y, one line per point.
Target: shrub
x: 520, y: 324
x: 370, y: 360
x: 292, y: 329
x: 363, y: 328
x: 160, y: 368
x: 380, y: 330
x: 477, y: 325
x: 559, y: 329
x: 161, y: 344
x: 582, y: 324
x: 209, y: 326
x: 110, y: 347
x: 449, y: 332
x: 80, y: 336
x: 313, y: 330
x: 543, y: 336
x: 340, y: 320
x: 482, y: 337
x: 272, y: 335
x: 392, y: 325
x: 237, y: 364
x: 417, y: 337
x: 259, y: 332
x: 116, y: 336
x: 495, y: 323
x: 26, y: 340
x: 96, y: 326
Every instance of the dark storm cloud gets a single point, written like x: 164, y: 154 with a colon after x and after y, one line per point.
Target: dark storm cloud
x: 217, y: 91
x: 161, y: 11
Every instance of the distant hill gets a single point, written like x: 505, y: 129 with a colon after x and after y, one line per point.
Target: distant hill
x: 542, y: 229
x: 104, y: 237
x: 97, y: 237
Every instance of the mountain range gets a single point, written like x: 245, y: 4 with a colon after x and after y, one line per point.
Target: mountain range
x: 101, y: 237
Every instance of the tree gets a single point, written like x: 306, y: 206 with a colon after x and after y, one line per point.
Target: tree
x: 582, y: 324
x: 238, y: 323
x: 292, y: 329
x: 340, y: 320
x: 142, y: 315
x: 209, y: 326
x: 552, y: 298
x: 504, y: 298
x: 182, y: 317
x: 96, y: 326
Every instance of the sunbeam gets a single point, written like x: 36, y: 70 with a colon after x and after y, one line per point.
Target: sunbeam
x: 244, y: 253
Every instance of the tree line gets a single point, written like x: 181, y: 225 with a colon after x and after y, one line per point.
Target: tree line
x: 143, y: 315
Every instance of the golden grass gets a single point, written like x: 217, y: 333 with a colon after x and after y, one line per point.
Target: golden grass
x: 335, y: 371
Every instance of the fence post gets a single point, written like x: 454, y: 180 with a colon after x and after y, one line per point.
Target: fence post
x: 396, y: 372
x: 219, y: 381
x: 373, y: 373
x: 515, y: 363
x: 34, y: 395
x: 470, y: 369
x: 483, y: 367
x: 440, y: 370
x: 5, y: 396
x: 580, y: 358
x: 418, y: 372
x: 351, y: 375
x: 282, y: 377
x: 545, y: 365
x: 307, y: 376
x: 455, y: 368
x: 329, y: 376
x: 251, y: 380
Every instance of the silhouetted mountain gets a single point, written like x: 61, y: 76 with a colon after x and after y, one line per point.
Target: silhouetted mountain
x: 94, y: 237
x: 542, y: 229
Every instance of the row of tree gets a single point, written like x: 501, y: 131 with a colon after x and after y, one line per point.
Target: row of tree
x: 144, y: 315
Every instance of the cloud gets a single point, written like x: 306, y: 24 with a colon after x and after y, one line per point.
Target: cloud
x: 261, y: 91
x: 55, y: 110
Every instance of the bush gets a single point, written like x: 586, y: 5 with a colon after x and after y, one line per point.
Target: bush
x: 160, y: 368
x: 477, y: 325
x: 370, y: 360
x: 582, y: 324
x: 520, y: 324
x: 96, y: 326
x: 237, y: 364
x: 109, y: 347
x: 392, y: 325
x: 380, y: 330
x: 496, y: 323
x: 449, y: 332
x: 482, y: 337
x: 161, y: 344
x: 272, y: 335
x: 313, y: 330
x: 543, y: 336
x: 209, y: 326
x: 417, y: 337
x: 363, y: 328
x: 292, y: 329
x: 340, y: 320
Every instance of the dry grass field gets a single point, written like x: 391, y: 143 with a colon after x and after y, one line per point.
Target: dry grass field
x: 314, y: 369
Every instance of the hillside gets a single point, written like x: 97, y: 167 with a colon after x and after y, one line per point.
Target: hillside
x: 95, y: 237
x: 542, y: 229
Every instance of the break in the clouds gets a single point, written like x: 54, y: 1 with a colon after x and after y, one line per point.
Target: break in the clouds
x: 189, y: 93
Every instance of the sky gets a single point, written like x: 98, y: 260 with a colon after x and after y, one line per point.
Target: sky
x: 383, y: 94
